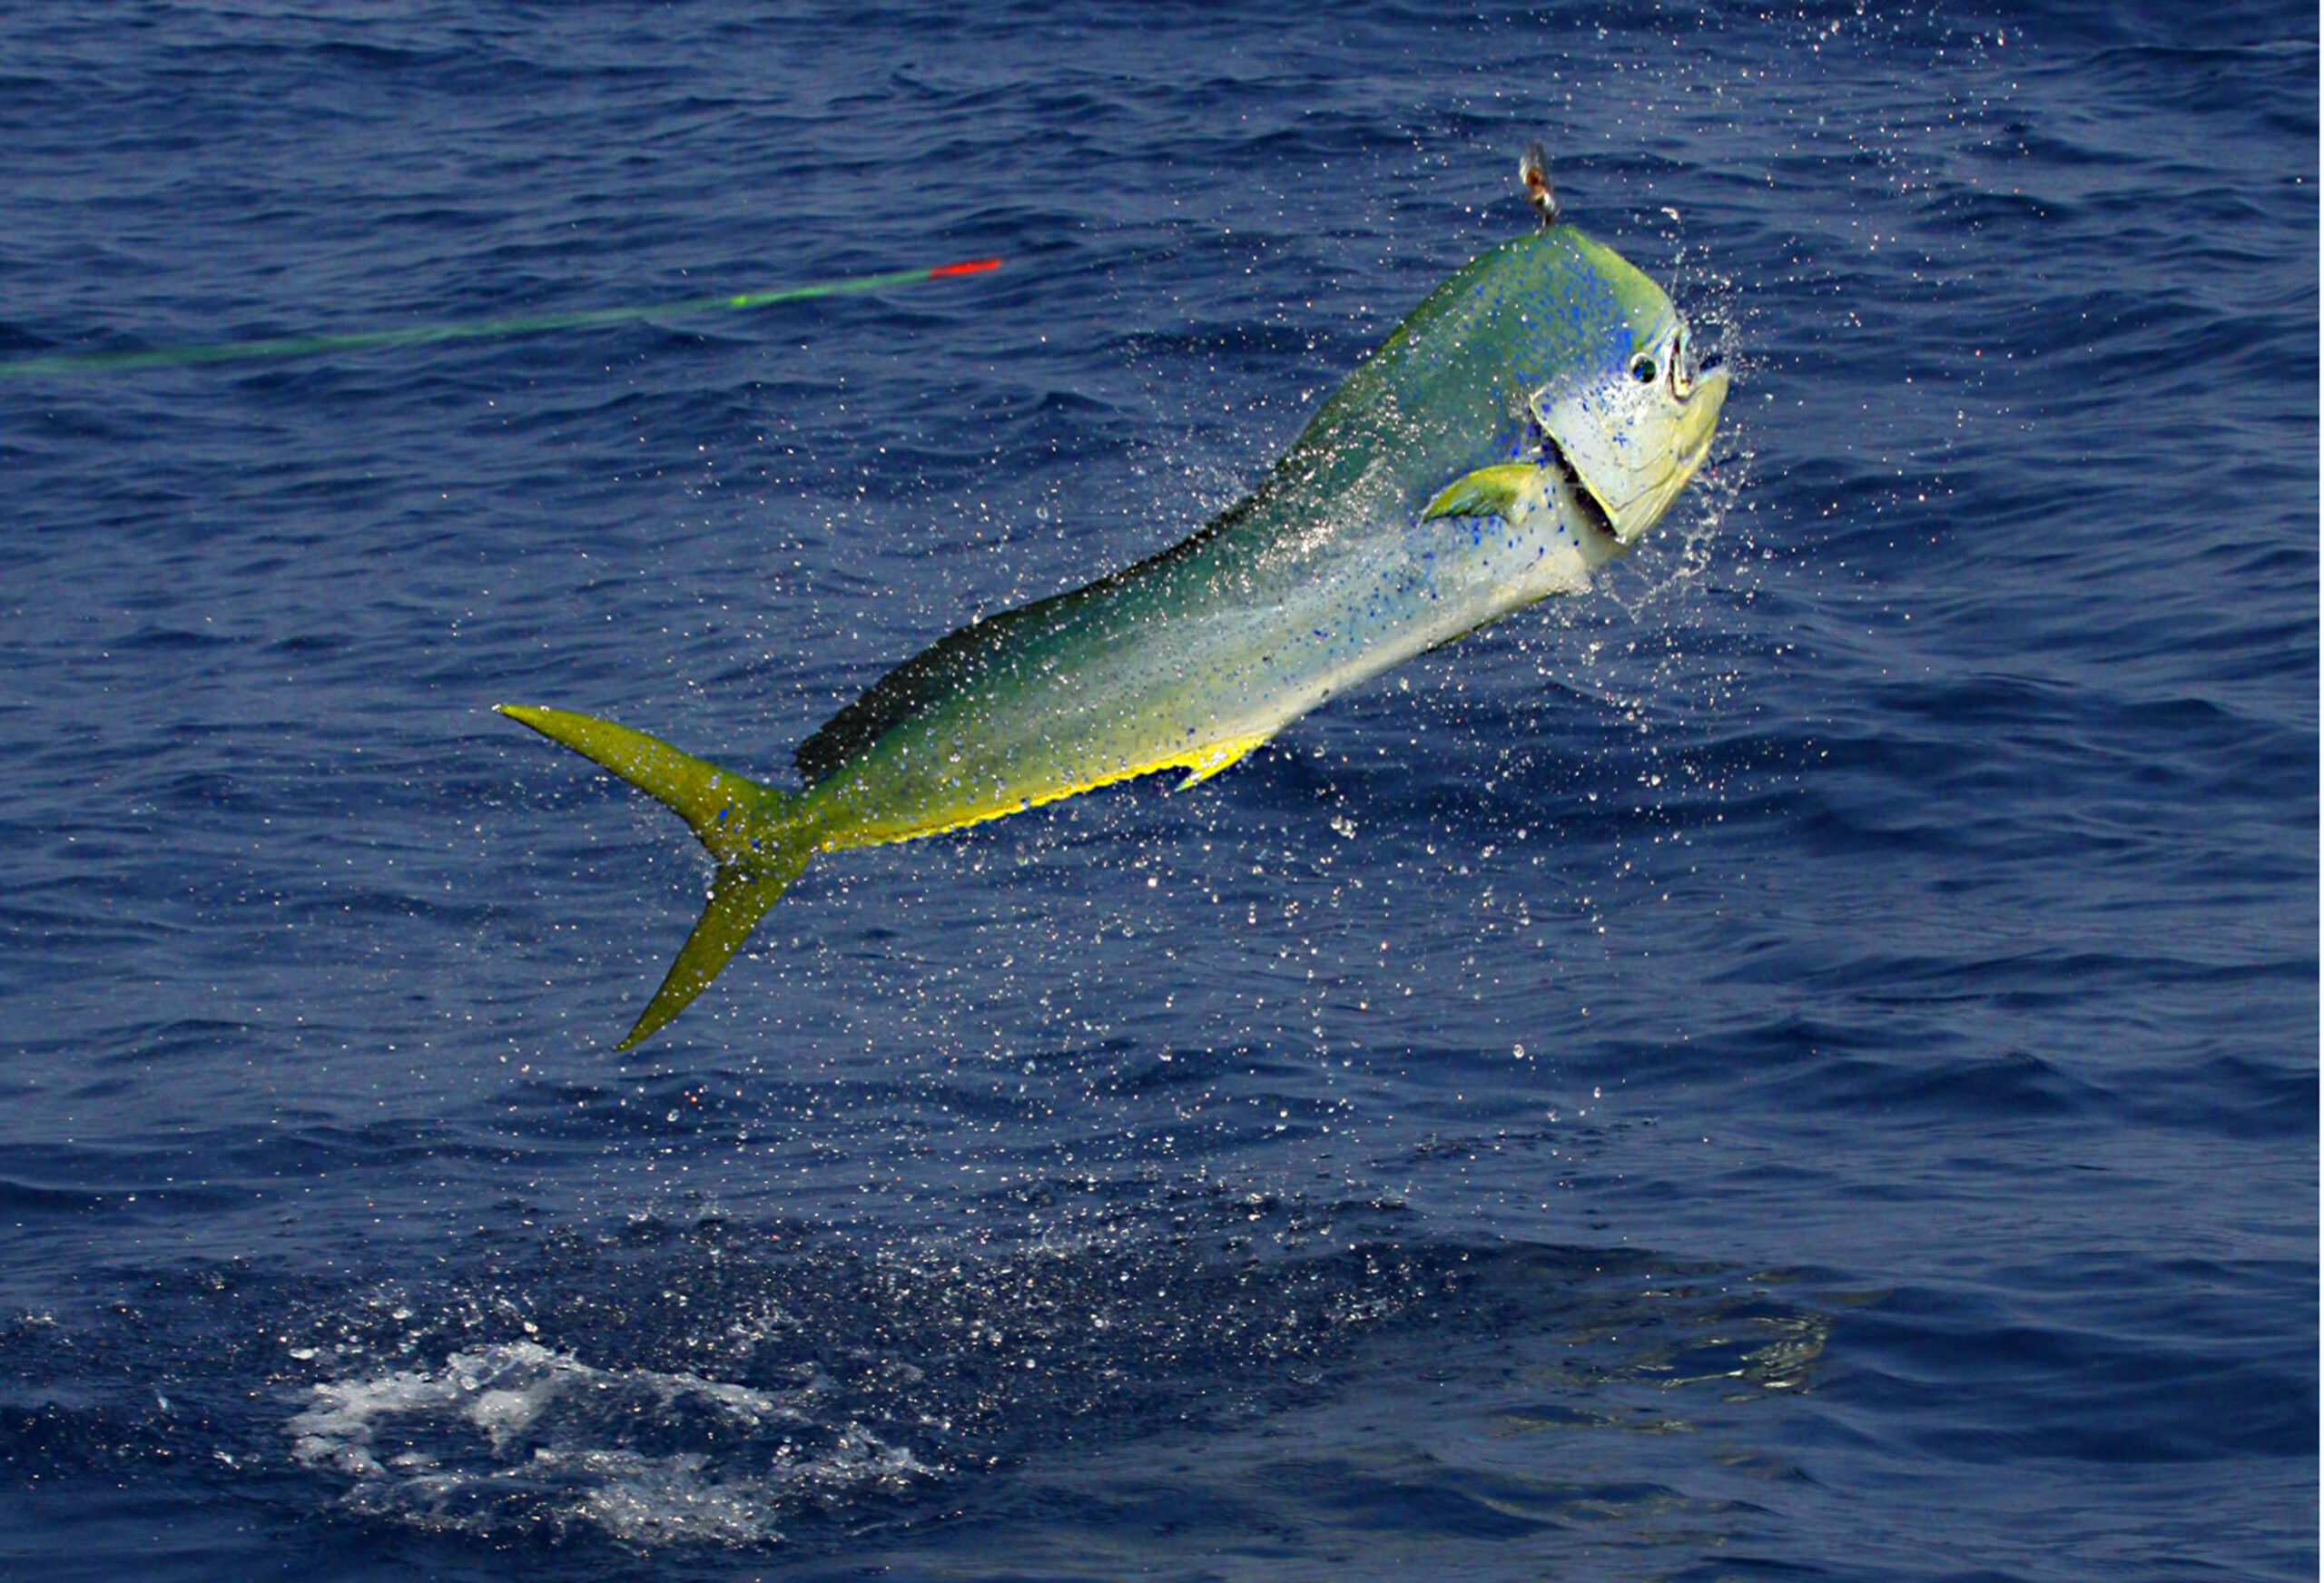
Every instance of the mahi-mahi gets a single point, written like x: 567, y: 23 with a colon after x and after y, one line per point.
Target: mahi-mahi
x: 1522, y: 427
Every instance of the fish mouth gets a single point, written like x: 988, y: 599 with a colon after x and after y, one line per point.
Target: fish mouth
x: 1705, y: 398
x: 1587, y: 505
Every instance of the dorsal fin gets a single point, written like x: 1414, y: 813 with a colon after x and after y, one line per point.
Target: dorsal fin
x: 929, y: 674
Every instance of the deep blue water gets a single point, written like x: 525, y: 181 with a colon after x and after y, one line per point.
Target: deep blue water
x: 1801, y: 1062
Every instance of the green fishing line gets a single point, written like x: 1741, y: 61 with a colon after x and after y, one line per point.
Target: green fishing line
x: 303, y: 346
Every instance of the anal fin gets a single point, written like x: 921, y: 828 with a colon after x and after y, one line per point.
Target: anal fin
x: 1204, y: 762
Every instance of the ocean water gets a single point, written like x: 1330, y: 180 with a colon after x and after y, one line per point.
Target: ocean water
x: 1800, y: 1062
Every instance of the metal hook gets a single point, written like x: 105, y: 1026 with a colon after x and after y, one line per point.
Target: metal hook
x: 1533, y: 170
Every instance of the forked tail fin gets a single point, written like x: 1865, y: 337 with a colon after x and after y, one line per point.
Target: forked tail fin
x: 752, y: 829
x: 739, y: 898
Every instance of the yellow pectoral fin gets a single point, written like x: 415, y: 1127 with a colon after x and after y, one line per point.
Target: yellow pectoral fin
x: 1494, y: 491
x: 1202, y: 764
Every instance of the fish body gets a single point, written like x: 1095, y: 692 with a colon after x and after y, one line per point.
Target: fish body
x: 1519, y: 428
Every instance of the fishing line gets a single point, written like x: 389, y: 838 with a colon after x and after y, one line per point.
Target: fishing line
x: 303, y: 346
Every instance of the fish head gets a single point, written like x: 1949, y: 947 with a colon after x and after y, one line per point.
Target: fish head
x: 1617, y: 395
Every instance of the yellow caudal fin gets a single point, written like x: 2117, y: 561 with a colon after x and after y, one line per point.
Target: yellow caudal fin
x: 717, y: 805
x: 752, y: 829
x: 739, y: 898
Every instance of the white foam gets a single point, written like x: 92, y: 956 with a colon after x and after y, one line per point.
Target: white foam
x: 518, y: 1436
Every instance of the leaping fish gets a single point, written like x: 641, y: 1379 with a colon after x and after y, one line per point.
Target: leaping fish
x: 1524, y: 425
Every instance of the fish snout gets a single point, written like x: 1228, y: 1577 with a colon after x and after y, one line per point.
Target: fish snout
x: 1632, y: 443
x: 1700, y: 411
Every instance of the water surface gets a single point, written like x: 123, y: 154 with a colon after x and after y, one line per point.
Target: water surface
x: 1800, y: 1061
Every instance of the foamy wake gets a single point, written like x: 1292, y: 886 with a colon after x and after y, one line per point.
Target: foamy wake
x: 518, y: 1438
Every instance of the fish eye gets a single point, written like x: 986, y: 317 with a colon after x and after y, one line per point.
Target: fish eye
x: 1642, y: 369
